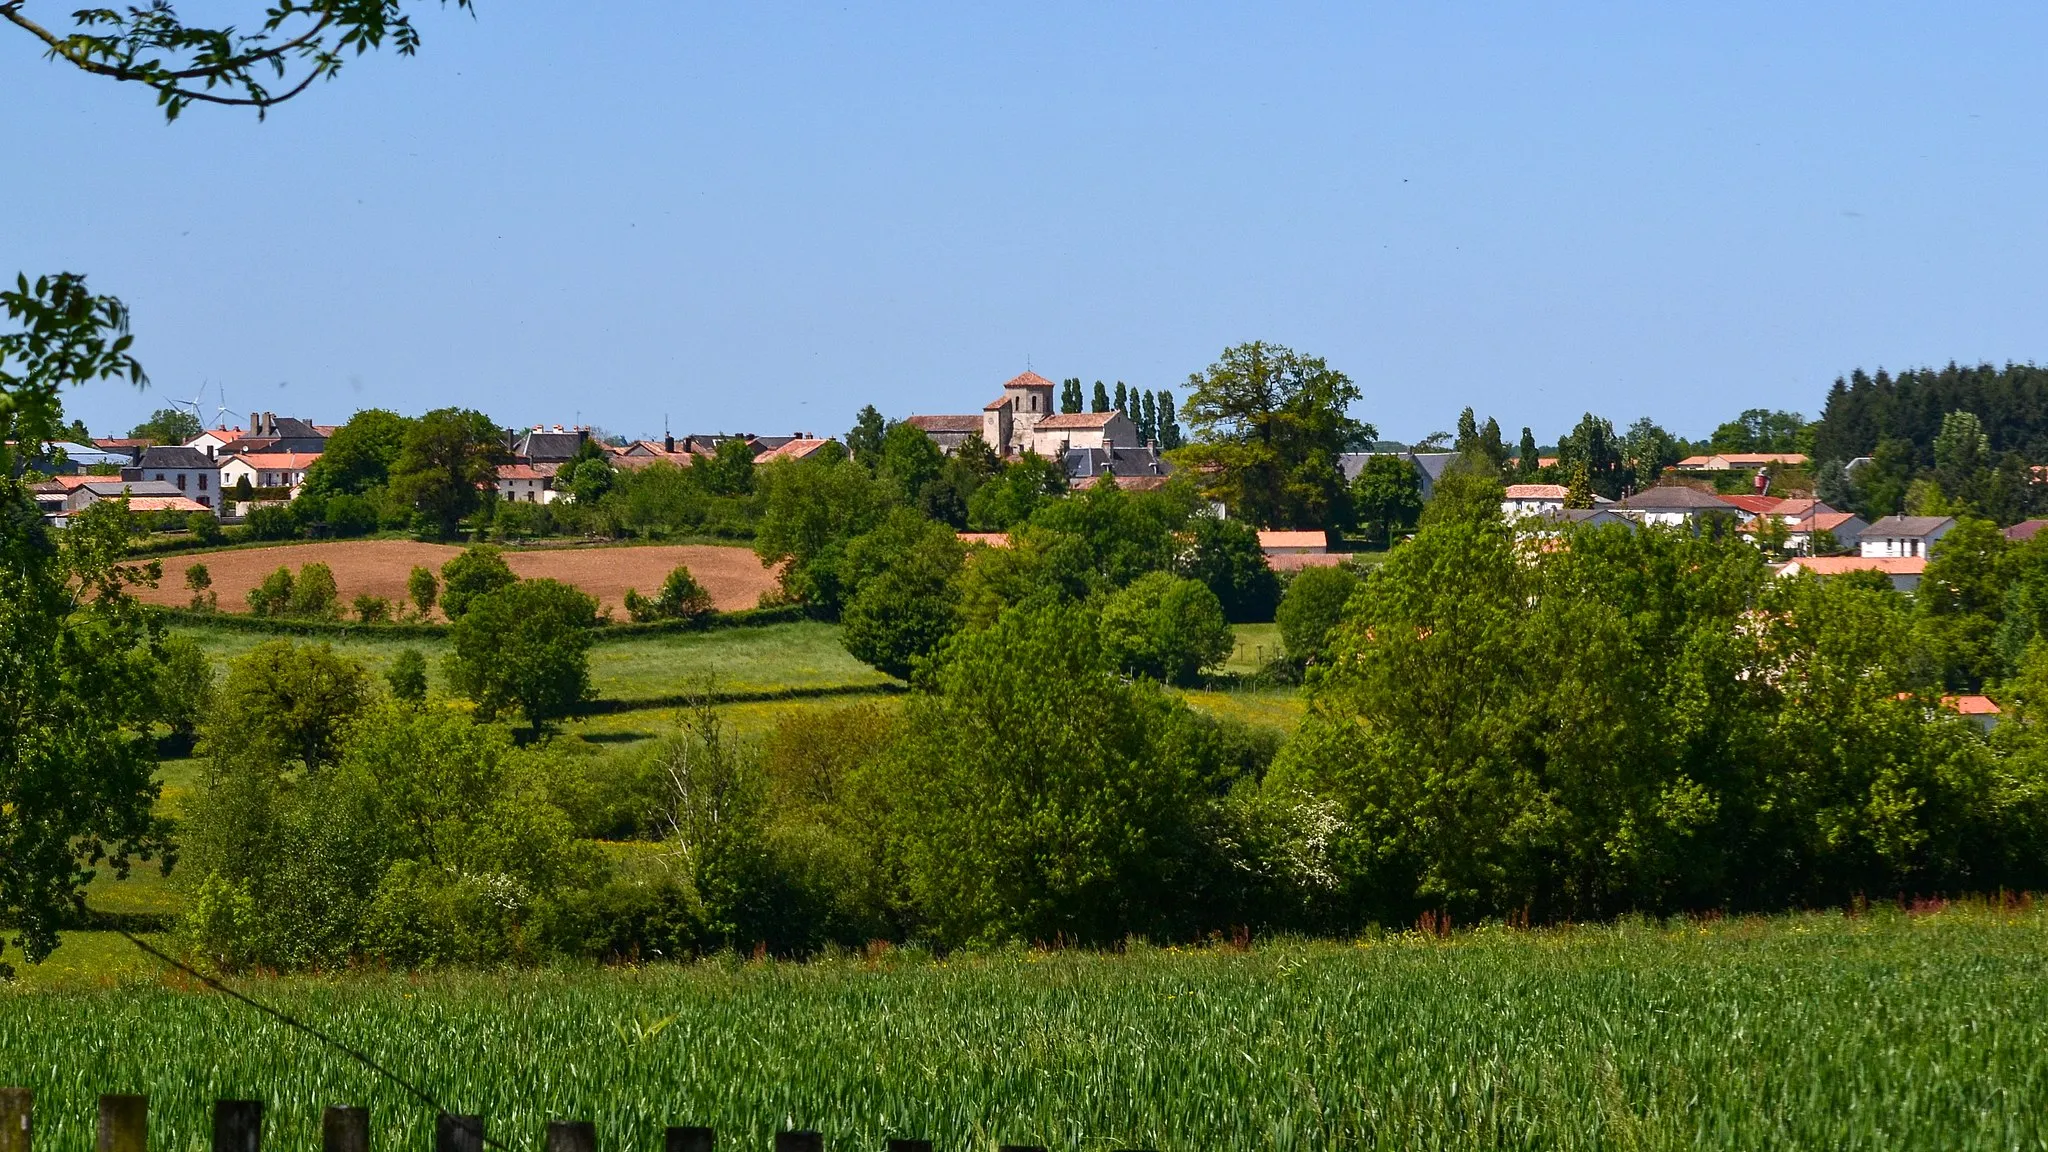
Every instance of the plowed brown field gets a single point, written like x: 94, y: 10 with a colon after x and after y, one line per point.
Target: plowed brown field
x: 733, y: 576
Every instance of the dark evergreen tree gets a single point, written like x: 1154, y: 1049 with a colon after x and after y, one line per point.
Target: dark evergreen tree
x: 1070, y: 394
x: 1101, y: 403
x: 1148, y: 417
x: 1525, y: 461
x: 2010, y: 402
x: 1169, y: 423
x: 1122, y: 399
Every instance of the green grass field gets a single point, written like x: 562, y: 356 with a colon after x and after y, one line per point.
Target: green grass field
x: 1882, y: 1032
x: 773, y: 658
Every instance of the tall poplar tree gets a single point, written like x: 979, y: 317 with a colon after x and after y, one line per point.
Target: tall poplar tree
x: 1169, y: 424
x: 1101, y: 403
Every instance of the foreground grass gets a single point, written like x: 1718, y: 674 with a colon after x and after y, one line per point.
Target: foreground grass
x: 1806, y: 1032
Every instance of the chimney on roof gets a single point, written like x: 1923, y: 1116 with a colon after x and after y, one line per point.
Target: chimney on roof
x: 255, y: 423
x: 209, y: 451
x: 668, y: 443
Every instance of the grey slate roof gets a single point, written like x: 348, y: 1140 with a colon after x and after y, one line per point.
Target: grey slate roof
x: 1083, y: 462
x: 175, y: 458
x: 1430, y: 464
x: 1910, y: 526
x: 549, y: 447
x: 113, y: 486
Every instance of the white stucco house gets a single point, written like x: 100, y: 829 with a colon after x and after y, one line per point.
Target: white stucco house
x: 1674, y: 506
x: 268, y: 470
x: 189, y: 471
x: 1533, y: 500
x: 1899, y: 536
x: 527, y: 483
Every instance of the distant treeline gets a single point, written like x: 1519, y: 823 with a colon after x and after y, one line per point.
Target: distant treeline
x: 2010, y: 402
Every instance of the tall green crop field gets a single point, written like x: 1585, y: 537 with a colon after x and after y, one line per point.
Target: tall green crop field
x: 1816, y: 1032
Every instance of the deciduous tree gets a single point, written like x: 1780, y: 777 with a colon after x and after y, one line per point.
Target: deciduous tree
x: 1269, y: 425
x: 525, y: 648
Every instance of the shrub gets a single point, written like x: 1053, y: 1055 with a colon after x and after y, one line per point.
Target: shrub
x: 1165, y: 627
x: 351, y: 515
x: 479, y: 570
x: 205, y: 527
x: 526, y: 648
x: 519, y: 520
x: 199, y: 582
x: 273, y: 597
x: 314, y: 595
x: 272, y: 522
x: 287, y: 705
x: 423, y: 589
x: 372, y: 609
x: 681, y: 598
x: 408, y: 676
x: 1312, y: 607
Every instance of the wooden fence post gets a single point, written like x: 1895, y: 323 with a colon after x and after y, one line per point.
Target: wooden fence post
x: 801, y: 1140
x: 15, y: 1130
x: 572, y: 1136
x: 454, y: 1133
x: 689, y: 1140
x: 124, y: 1124
x: 238, y: 1126
x: 345, y: 1130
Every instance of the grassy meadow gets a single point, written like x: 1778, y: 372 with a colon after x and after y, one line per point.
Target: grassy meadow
x: 1884, y: 1031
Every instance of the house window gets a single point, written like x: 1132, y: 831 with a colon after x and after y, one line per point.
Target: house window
x: 181, y: 481
x: 202, y: 481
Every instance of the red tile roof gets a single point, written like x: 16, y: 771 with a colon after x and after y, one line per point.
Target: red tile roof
x: 794, y: 450
x: 1028, y: 380
x: 1537, y: 492
x: 945, y: 423
x: 1295, y: 561
x: 288, y: 461
x: 1836, y: 565
x: 1753, y: 504
x: 1971, y: 705
x: 992, y: 539
x: 165, y: 504
x: 1274, y: 538
x: 1127, y: 483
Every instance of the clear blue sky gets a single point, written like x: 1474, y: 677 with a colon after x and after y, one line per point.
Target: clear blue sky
x: 759, y: 216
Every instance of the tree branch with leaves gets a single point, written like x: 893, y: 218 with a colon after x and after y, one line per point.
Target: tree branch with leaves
x: 294, y: 45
